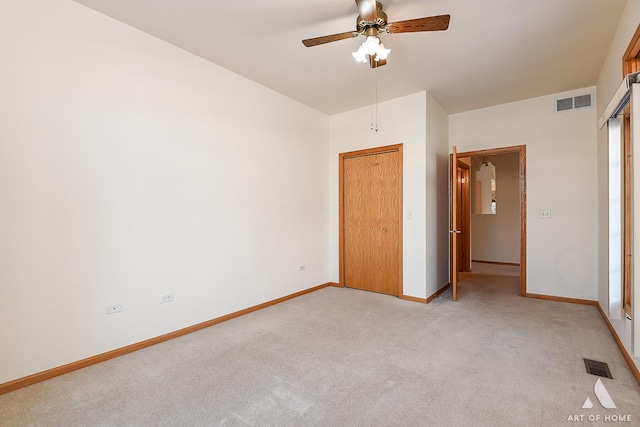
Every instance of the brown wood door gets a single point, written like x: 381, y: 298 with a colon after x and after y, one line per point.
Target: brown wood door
x: 371, y: 222
x: 463, y: 223
x: 454, y: 231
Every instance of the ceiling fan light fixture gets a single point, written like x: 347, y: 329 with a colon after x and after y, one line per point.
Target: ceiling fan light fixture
x: 382, y: 53
x: 372, y: 21
x: 360, y: 54
x: 370, y: 46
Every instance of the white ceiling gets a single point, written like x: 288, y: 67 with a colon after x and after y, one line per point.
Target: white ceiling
x: 495, y: 51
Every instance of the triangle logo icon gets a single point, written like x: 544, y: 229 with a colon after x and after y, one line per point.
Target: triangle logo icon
x: 587, y: 404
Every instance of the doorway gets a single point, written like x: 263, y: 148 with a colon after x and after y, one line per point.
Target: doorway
x: 463, y: 216
x: 370, y: 219
x: 480, y: 260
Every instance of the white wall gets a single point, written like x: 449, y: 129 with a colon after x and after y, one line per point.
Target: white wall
x: 399, y: 121
x: 608, y: 81
x: 130, y: 168
x: 561, y: 177
x: 437, y: 196
x: 497, y: 237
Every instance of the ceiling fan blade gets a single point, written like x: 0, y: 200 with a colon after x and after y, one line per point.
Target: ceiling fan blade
x: 432, y: 23
x: 328, y: 39
x: 367, y: 10
x: 374, y: 64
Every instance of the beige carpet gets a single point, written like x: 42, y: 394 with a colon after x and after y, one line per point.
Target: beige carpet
x: 499, y: 269
x: 341, y: 357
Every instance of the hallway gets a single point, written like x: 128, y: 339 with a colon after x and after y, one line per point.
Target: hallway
x: 489, y: 281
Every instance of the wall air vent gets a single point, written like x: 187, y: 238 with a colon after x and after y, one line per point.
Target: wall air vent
x: 582, y: 101
x: 573, y: 103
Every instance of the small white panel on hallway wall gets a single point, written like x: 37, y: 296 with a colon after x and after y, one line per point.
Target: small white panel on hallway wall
x: 545, y: 214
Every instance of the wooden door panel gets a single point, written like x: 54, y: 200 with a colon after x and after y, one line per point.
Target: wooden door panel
x: 355, y: 232
x: 371, y: 222
x: 463, y: 223
x: 388, y: 231
x: 458, y: 225
x: 453, y: 246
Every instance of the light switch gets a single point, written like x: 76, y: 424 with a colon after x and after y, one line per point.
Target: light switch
x: 545, y: 214
x: 409, y: 214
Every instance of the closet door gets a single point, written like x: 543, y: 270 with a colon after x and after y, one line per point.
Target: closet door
x: 371, y: 221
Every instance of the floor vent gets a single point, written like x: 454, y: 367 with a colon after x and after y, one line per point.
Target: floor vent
x: 600, y: 369
x: 573, y: 103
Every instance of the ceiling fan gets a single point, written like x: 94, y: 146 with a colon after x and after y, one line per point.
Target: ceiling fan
x: 373, y: 21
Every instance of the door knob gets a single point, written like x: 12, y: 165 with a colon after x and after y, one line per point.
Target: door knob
x: 384, y: 230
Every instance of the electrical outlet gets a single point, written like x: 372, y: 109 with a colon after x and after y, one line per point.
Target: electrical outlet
x: 166, y: 298
x: 545, y: 214
x: 115, y: 308
x: 303, y: 267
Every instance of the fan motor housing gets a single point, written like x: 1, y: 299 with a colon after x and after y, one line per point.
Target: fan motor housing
x: 380, y: 22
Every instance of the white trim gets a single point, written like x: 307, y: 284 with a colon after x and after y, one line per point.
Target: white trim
x: 619, y: 100
x: 615, y: 218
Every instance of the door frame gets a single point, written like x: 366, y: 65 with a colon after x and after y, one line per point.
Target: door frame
x: 630, y: 64
x: 368, y: 152
x: 522, y: 177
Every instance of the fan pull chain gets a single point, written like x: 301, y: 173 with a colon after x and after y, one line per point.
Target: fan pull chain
x: 374, y: 100
x: 372, y: 97
x: 376, y: 78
